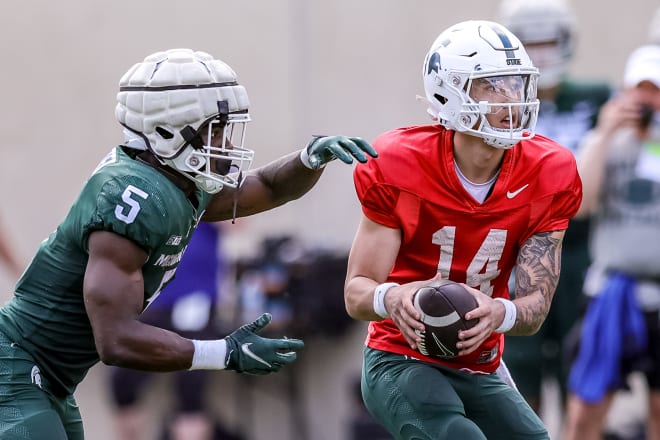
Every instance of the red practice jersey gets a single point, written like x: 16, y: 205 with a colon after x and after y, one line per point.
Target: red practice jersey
x: 413, y: 186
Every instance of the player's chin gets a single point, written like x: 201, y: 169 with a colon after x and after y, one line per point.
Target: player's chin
x: 222, y: 166
x: 502, y: 126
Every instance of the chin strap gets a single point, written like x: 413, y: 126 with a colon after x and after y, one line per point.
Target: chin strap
x: 191, y: 137
x: 238, y: 186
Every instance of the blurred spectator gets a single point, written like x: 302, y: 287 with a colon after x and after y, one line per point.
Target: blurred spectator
x: 569, y: 108
x: 8, y: 257
x: 620, y: 167
x: 264, y: 283
x: 187, y: 306
x: 300, y: 287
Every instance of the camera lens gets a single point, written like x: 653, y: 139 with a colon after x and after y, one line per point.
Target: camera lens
x: 646, y: 115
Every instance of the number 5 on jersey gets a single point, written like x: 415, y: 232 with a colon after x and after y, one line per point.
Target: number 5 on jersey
x: 128, y: 213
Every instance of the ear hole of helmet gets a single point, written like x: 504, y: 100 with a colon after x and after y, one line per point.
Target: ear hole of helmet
x: 440, y: 98
x: 165, y: 134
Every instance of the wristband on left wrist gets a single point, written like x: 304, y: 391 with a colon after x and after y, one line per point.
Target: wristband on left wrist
x: 510, y: 314
x: 379, y: 299
x: 209, y: 355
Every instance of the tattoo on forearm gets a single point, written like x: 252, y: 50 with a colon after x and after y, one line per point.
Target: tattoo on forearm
x: 537, y: 275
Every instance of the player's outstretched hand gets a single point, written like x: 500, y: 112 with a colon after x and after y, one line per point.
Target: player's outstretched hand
x: 323, y: 149
x: 247, y: 352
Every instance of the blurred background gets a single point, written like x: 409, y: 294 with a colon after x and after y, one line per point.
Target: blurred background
x: 347, y: 67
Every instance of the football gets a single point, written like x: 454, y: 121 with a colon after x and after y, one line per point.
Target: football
x: 443, y: 306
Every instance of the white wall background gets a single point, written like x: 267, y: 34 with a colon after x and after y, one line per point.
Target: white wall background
x: 310, y: 67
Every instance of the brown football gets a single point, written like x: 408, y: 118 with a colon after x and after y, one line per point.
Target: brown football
x: 443, y: 306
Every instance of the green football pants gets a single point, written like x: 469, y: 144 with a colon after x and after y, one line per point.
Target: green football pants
x: 416, y: 400
x: 28, y: 410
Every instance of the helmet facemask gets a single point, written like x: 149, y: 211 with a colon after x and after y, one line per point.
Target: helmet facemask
x: 500, y: 109
x: 215, y: 155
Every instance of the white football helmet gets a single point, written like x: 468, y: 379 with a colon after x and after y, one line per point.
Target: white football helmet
x: 547, y: 28
x: 166, y: 101
x: 471, y: 56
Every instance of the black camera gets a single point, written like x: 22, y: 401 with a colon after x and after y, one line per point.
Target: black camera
x: 646, y: 115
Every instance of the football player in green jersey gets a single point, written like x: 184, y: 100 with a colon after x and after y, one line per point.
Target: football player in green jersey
x: 183, y: 161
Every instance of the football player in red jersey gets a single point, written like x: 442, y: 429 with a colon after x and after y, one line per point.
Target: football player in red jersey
x: 467, y: 199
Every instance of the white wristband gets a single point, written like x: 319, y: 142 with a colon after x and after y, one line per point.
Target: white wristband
x: 510, y: 313
x: 379, y: 298
x: 209, y: 355
x: 304, y: 158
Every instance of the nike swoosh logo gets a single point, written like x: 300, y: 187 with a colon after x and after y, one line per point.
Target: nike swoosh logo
x: 245, y: 348
x: 445, y: 352
x: 512, y: 194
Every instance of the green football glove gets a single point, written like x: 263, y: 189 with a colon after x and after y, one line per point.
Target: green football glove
x: 249, y: 353
x: 323, y: 149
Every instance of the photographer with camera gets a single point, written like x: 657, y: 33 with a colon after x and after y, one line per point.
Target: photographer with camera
x: 619, y: 162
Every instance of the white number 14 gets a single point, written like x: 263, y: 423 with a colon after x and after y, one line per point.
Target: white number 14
x: 484, y: 265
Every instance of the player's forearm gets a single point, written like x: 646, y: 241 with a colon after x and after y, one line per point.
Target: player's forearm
x: 264, y: 188
x: 373, y: 253
x: 531, y: 313
x: 287, y: 178
x: 143, y: 347
x: 359, y: 299
x: 537, y: 275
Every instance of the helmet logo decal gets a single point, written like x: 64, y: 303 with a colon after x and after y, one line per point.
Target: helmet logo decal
x: 434, y: 63
x: 511, y: 59
x: 507, y: 46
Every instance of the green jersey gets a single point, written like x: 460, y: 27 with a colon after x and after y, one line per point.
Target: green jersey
x: 47, y: 316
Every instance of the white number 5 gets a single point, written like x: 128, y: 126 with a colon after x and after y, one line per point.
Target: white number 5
x: 133, y: 205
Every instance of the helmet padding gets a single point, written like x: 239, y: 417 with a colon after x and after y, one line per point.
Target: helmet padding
x: 174, y: 93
